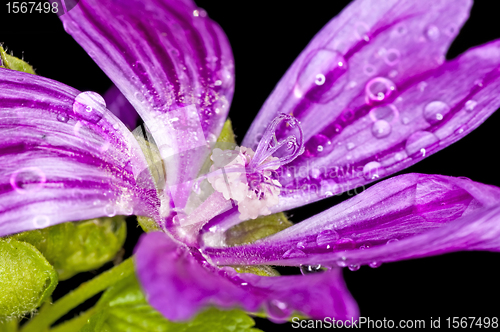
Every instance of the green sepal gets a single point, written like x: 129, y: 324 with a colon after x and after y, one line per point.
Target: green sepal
x: 26, y: 279
x: 148, y: 224
x: 81, y: 246
x: 260, y: 270
x: 254, y: 229
x: 11, y: 62
x: 227, y: 133
x: 123, y: 308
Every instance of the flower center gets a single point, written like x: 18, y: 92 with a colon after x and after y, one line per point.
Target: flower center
x: 249, y: 177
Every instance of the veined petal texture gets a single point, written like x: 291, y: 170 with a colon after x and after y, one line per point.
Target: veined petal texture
x: 64, y: 157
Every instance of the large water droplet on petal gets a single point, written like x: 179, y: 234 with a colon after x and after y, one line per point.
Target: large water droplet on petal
x: 41, y: 221
x: 381, y: 128
x: 27, y: 179
x: 110, y: 210
x: 90, y: 106
x: 327, y: 238
x: 278, y: 310
x: 379, y: 89
x: 318, y: 145
x: 435, y: 111
x: 294, y: 253
x: 372, y: 170
x: 322, y: 77
x: 420, y: 140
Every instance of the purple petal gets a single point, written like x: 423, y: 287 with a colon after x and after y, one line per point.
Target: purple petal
x: 407, y: 216
x: 170, y: 273
x: 172, y: 63
x: 64, y: 157
x: 355, y: 135
x: 121, y: 107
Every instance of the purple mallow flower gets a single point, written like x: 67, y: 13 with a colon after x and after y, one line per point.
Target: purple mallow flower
x: 369, y: 96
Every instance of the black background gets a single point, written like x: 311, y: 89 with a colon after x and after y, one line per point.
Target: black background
x: 266, y: 36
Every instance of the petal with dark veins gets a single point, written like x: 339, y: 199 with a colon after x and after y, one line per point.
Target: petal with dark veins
x: 375, y: 95
x: 64, y: 157
x: 173, y: 64
x: 408, y: 216
x: 172, y: 273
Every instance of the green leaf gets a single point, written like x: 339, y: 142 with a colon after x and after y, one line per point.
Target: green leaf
x: 75, y: 247
x: 126, y: 310
x: 26, y: 278
x: 11, y: 62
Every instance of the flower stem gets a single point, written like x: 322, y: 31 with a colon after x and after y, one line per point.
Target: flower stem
x: 74, y: 324
x: 52, y: 313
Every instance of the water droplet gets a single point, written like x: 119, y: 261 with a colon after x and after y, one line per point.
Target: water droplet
x: 364, y: 246
x: 128, y: 210
x: 278, y: 310
x: 308, y: 269
x: 61, y: 117
x: 460, y: 129
x: 435, y: 111
x: 196, y: 13
x: 388, y: 113
x: 372, y: 170
x: 401, y: 29
x: 392, y: 241
x: 218, y: 83
x: 421, y: 86
x: 368, y: 69
x: 89, y: 105
x: 374, y: 264
x: 418, y: 141
x: 354, y: 267
x: 379, y: 89
x: 301, y: 245
x: 27, y: 179
x: 361, y: 30
x: 470, y: 105
x: 391, y: 56
x: 400, y: 156
x: 294, y: 253
x: 393, y: 73
x: 318, y: 145
x: 381, y: 128
x: 350, y: 146
x: 140, y: 97
x: 110, y: 210
x: 342, y: 262
x: 327, y: 238
x: 41, y: 221
x: 432, y: 32
x: 322, y: 76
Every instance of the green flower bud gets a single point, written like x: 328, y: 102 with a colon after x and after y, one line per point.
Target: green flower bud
x: 26, y: 279
x: 81, y: 246
x: 11, y: 62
